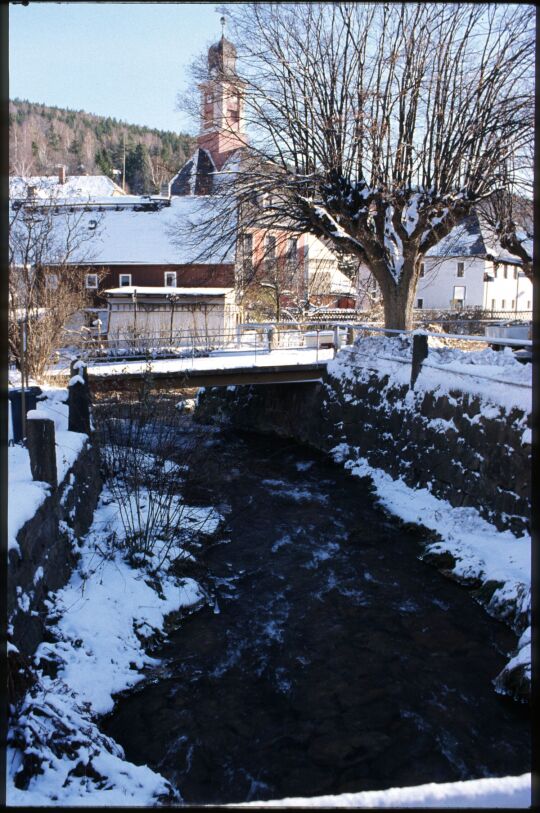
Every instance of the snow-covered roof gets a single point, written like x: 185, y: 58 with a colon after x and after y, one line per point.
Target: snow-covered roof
x: 147, y: 290
x: 75, y: 186
x: 172, y: 235
x: 472, y: 238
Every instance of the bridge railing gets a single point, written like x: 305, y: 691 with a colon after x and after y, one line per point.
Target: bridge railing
x: 260, y: 338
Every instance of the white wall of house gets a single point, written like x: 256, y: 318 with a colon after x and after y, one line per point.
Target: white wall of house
x: 204, y: 318
x: 483, y: 284
x: 441, y: 283
x: 509, y: 289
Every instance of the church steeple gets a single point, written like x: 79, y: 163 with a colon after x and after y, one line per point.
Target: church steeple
x: 222, y: 102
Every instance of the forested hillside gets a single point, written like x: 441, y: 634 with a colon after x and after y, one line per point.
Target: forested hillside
x: 42, y: 137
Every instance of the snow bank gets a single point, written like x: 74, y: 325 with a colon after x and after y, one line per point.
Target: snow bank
x: 495, y: 376
x: 508, y: 792
x: 480, y: 551
x: 25, y: 496
x: 102, y: 619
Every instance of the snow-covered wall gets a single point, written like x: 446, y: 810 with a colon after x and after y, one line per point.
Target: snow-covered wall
x: 44, y: 548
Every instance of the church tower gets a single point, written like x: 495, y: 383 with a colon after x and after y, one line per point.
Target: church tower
x: 222, y: 104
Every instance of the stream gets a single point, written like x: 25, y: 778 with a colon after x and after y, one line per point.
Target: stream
x: 331, y: 659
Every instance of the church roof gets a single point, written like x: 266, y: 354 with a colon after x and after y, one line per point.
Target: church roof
x: 222, y: 57
x: 196, y: 176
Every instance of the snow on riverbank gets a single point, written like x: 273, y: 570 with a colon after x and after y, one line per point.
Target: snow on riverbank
x: 100, y: 621
x: 506, y: 792
x: 26, y: 495
x: 498, y: 560
x: 495, y: 376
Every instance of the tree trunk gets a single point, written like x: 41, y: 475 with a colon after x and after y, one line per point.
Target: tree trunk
x: 398, y: 307
x: 398, y: 299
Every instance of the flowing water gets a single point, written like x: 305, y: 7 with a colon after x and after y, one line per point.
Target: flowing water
x: 331, y: 658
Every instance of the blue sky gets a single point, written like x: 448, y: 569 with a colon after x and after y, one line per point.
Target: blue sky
x: 127, y: 60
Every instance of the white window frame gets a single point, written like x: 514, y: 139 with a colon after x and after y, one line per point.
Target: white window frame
x: 92, y: 286
x: 460, y: 288
x: 124, y: 284
x: 169, y: 274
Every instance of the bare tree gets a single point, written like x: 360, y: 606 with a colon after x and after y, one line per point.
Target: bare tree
x: 508, y: 212
x: 378, y: 127
x: 46, y: 289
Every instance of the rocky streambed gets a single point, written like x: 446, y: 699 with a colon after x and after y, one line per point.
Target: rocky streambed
x: 329, y: 658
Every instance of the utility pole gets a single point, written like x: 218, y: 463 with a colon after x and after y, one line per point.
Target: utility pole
x: 124, y: 163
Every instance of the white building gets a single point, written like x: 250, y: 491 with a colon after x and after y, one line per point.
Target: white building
x: 206, y: 314
x: 469, y: 268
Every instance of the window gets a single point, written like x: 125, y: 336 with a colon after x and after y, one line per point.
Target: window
x: 247, y: 250
x: 92, y: 225
x: 503, y: 304
x: 513, y: 305
x: 292, y: 250
x: 459, y: 295
x: 461, y: 269
x: 52, y: 282
x: 495, y: 270
x: 420, y: 303
x: 515, y: 272
x: 271, y: 246
x: 124, y: 280
x: 91, y: 281
x: 170, y: 279
x: 422, y: 269
x: 505, y: 271
x: 528, y: 304
x: 492, y: 304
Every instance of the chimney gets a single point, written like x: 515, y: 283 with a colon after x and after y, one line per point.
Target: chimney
x: 165, y: 189
x: 61, y: 174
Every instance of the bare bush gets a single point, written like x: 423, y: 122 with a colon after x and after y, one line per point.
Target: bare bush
x: 145, y: 468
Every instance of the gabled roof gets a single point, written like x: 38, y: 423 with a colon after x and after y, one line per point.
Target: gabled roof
x: 472, y: 237
x: 173, y: 235
x: 74, y: 187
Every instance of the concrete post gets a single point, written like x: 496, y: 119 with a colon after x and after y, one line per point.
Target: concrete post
x: 79, y: 405
x: 40, y: 441
x: 419, y: 354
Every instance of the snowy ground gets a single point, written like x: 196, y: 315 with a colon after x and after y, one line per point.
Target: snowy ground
x: 508, y: 792
x: 100, y: 620
x: 495, y: 376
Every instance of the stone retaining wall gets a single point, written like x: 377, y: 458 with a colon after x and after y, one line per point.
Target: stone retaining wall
x: 48, y: 550
x: 452, y: 444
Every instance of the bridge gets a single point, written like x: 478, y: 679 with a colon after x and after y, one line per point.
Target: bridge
x: 219, y: 368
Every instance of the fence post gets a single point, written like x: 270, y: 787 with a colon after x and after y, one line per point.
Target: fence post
x: 336, y: 341
x: 79, y: 404
x: 419, y: 354
x: 271, y: 331
x: 40, y: 441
